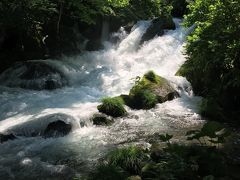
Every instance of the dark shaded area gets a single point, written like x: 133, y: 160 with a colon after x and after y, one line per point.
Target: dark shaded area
x: 157, y: 28
x: 6, y: 137
x: 57, y: 129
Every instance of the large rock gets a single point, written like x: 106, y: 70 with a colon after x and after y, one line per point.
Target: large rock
x: 37, y: 75
x: 148, y: 91
x: 157, y: 28
x: 6, y: 137
x: 57, y: 129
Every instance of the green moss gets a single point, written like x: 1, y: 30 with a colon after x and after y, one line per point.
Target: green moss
x: 181, y: 71
x: 149, y: 81
x: 112, y: 106
x: 144, y: 93
x: 151, y: 76
x: 143, y: 99
x: 210, y: 108
x: 100, y: 119
x: 130, y: 159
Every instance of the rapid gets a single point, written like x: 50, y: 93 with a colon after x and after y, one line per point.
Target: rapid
x: 92, y: 76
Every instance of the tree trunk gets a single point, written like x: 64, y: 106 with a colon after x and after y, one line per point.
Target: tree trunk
x: 59, y: 16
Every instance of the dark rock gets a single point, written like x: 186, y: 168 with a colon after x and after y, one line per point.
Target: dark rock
x: 157, y: 28
x: 57, y: 129
x: 6, y: 137
x: 36, y: 75
x: 179, y: 8
x: 129, y: 26
x: 94, y: 45
x: 156, y: 152
x: 149, y: 171
x: 101, y: 119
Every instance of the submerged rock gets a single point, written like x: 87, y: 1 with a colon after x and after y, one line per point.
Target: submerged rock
x: 57, y: 129
x: 6, y: 137
x: 148, y: 91
x: 101, y: 119
x: 36, y: 75
x: 157, y: 28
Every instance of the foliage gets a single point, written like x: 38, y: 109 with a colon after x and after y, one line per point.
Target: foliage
x: 211, y: 132
x: 108, y: 172
x: 213, y: 53
x: 131, y: 159
x: 112, y: 106
x: 175, y: 161
x: 165, y: 138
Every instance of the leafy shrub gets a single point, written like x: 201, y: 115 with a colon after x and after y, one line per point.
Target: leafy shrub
x: 213, y: 55
x: 112, y: 106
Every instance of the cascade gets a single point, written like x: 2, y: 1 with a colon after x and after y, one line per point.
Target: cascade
x: 87, y: 78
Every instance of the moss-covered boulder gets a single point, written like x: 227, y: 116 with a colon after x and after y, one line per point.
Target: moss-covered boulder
x: 157, y: 28
x: 112, y: 106
x: 148, y: 91
x: 101, y: 120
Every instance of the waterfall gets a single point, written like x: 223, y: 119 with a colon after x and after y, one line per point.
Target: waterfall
x: 87, y: 78
x: 105, y: 30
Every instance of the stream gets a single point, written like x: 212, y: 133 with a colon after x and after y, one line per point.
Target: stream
x: 92, y: 76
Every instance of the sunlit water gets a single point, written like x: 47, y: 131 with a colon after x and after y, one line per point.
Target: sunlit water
x: 93, y: 75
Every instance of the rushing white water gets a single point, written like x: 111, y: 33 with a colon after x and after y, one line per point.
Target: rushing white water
x: 91, y: 76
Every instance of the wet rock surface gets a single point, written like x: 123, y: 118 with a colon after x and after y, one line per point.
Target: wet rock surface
x: 6, y: 137
x: 57, y: 129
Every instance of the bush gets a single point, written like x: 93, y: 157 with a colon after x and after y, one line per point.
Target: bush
x: 212, y: 50
x: 112, y: 106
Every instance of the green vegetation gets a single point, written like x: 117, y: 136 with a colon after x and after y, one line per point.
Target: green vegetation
x: 100, y: 119
x: 39, y: 29
x: 149, y: 91
x: 174, y: 161
x: 112, y: 106
x: 213, y: 57
x: 108, y: 172
x: 130, y: 159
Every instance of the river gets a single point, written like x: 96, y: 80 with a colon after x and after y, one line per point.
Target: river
x: 91, y: 76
